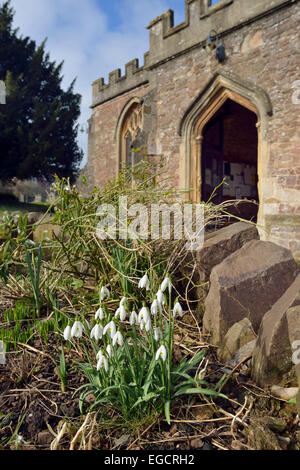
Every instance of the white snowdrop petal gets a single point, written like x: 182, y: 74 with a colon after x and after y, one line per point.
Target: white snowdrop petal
x: 111, y: 329
x: 99, y: 314
x: 177, y: 310
x: 154, y: 307
x: 103, y: 362
x: 166, y: 284
x: 157, y: 334
x: 109, y: 351
x: 144, y: 315
x: 99, y: 354
x: 117, y: 312
x: 144, y: 283
x: 123, y: 313
x: 67, y: 333
x: 161, y: 297
x: 98, y: 332
x: 77, y: 329
x: 161, y: 353
x: 118, y: 339
x: 133, y: 318
x: 104, y: 293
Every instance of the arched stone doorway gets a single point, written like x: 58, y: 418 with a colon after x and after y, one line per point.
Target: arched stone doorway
x: 224, y: 95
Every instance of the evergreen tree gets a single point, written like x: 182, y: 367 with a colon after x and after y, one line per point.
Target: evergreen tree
x: 38, y: 125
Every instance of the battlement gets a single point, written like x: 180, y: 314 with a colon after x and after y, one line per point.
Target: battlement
x: 168, y: 41
x: 134, y: 77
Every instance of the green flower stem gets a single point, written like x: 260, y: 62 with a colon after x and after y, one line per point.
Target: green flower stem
x: 169, y: 358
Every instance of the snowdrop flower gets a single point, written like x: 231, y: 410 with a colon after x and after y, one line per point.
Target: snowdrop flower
x: 133, y: 318
x: 142, y: 325
x: 104, y: 293
x: 77, y: 329
x: 110, y: 351
x: 144, y: 283
x: 67, y: 333
x: 99, y: 314
x: 166, y: 284
x: 155, y: 307
x: 144, y: 315
x: 161, y: 297
x: 118, y: 339
x: 123, y: 302
x: 99, y: 355
x: 148, y: 325
x: 97, y: 332
x: 111, y: 329
x: 121, y: 312
x: 103, y: 362
x: 158, y: 334
x: 177, y: 310
x: 161, y: 354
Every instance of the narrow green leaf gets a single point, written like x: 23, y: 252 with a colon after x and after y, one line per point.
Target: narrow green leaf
x: 200, y: 391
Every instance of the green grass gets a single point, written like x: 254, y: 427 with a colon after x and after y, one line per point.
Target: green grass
x: 21, y: 207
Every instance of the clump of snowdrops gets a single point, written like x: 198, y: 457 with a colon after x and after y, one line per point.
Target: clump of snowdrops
x: 131, y: 367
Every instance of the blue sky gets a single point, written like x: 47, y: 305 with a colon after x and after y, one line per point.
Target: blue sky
x: 93, y: 37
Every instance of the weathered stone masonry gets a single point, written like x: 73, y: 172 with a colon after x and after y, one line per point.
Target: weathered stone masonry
x: 181, y: 86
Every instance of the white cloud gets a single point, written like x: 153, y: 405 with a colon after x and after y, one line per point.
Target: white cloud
x: 78, y: 33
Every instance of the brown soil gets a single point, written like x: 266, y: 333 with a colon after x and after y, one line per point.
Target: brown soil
x: 33, y: 406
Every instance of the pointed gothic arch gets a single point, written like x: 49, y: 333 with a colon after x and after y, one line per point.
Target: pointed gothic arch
x: 222, y: 87
x: 128, y: 130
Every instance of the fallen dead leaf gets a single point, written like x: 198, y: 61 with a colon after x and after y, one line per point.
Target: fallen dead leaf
x: 284, y: 393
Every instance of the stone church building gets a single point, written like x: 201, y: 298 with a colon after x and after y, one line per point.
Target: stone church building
x: 218, y: 96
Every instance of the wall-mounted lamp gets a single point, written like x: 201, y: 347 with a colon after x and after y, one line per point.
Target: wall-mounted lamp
x: 213, y: 43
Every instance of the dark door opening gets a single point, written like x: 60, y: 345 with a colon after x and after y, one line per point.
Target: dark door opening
x: 229, y: 151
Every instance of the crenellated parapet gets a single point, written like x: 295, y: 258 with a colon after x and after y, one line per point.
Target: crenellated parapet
x: 119, y: 84
x: 168, y: 41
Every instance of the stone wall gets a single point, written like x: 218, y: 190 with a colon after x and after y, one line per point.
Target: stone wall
x: 262, y: 41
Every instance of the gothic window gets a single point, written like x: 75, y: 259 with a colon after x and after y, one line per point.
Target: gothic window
x: 131, y: 136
